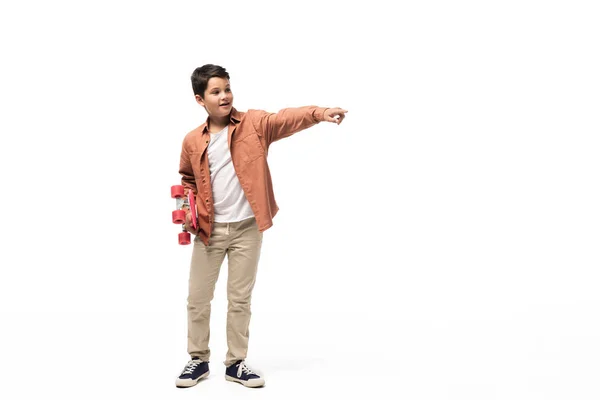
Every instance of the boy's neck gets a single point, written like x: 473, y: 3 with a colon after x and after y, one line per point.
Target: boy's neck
x: 216, y: 125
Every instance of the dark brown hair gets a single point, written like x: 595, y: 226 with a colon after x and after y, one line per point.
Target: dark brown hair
x: 202, y: 75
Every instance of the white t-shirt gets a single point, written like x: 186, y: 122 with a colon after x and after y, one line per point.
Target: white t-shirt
x: 230, y: 201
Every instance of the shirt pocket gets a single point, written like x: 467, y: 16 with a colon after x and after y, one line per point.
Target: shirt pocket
x: 250, y: 148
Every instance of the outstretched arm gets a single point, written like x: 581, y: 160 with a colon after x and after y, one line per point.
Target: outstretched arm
x: 275, y: 126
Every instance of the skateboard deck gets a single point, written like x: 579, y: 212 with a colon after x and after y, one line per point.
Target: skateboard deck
x: 181, y: 201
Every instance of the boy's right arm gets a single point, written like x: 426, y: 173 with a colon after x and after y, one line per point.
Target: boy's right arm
x: 187, y: 174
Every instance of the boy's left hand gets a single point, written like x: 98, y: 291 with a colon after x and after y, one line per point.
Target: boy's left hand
x: 331, y: 114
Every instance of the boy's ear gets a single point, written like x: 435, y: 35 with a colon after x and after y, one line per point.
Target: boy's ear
x: 199, y: 100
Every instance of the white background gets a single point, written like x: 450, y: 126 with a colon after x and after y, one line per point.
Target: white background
x: 441, y: 243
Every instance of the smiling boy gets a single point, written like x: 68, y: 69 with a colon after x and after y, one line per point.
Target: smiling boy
x: 224, y: 163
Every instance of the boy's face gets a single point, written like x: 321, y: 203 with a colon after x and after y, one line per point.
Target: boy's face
x: 218, y: 98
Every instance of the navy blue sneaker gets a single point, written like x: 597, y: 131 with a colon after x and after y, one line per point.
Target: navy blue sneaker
x: 194, y: 370
x: 240, y: 373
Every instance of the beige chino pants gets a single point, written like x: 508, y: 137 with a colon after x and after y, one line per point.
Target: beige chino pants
x: 241, y: 242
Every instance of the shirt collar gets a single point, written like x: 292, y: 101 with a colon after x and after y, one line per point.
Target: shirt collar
x: 234, y: 117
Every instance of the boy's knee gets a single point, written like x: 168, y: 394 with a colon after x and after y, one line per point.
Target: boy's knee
x: 199, y: 297
x: 238, y: 303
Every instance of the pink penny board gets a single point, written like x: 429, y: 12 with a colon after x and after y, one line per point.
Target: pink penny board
x: 177, y: 192
x: 193, y: 209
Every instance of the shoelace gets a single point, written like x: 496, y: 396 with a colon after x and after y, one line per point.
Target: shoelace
x: 243, y: 368
x: 191, y: 366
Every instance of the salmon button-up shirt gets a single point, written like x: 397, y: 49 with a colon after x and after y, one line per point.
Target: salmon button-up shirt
x: 249, y: 136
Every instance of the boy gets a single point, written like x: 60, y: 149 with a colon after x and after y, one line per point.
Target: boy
x: 224, y: 162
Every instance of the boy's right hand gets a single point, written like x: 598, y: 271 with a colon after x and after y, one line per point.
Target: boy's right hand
x: 188, y: 223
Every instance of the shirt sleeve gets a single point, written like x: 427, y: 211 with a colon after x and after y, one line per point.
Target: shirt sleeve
x: 286, y: 122
x: 187, y: 173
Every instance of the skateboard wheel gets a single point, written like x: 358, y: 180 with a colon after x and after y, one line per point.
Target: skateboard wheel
x: 176, y: 191
x: 179, y: 216
x: 184, y: 238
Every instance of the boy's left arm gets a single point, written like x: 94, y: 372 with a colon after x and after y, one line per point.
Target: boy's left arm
x: 286, y: 122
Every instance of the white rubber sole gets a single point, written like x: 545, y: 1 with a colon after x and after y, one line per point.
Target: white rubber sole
x: 185, y: 383
x: 249, y: 383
